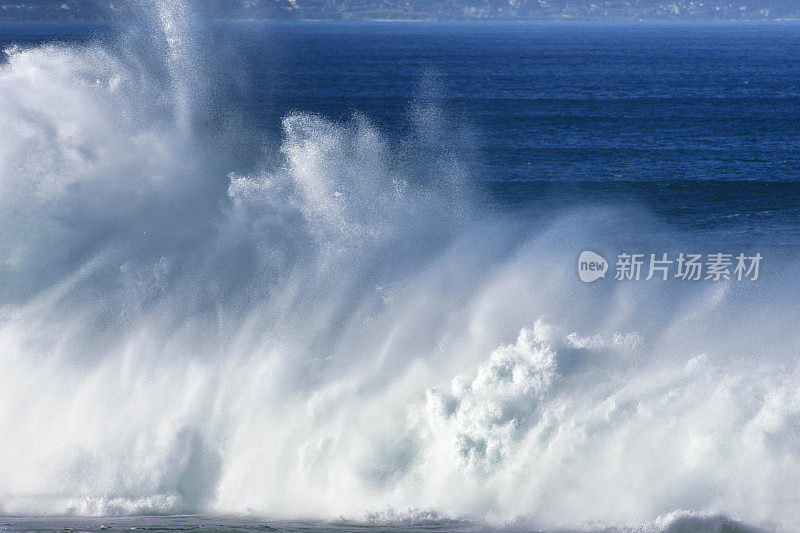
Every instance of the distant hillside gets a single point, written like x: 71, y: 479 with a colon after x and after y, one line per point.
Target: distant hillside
x: 426, y: 9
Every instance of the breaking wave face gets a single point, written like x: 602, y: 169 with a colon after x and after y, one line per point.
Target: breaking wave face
x: 344, y: 334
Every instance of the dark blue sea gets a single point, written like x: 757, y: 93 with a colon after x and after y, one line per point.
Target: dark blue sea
x: 695, y: 121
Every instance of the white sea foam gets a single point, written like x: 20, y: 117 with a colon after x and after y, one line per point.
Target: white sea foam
x: 331, y: 338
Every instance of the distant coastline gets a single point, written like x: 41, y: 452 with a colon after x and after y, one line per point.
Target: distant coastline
x: 426, y: 10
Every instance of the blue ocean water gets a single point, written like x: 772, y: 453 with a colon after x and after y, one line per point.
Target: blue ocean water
x: 697, y: 122
x: 317, y: 276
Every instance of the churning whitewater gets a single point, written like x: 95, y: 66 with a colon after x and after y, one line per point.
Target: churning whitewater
x: 344, y: 331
